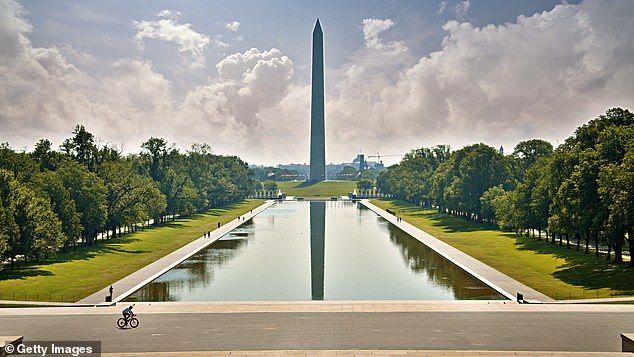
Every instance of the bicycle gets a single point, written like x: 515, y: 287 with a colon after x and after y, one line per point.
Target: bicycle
x: 132, y: 321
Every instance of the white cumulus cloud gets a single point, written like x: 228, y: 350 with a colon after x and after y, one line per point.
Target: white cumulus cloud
x: 168, y: 29
x: 372, y: 28
x: 232, y: 26
x: 231, y: 106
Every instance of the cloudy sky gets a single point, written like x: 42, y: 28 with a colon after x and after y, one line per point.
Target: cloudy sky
x: 236, y: 74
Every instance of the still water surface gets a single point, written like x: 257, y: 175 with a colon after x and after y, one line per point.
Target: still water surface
x: 315, y: 251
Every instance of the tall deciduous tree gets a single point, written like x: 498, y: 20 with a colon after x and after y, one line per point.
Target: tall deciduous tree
x: 89, y: 193
x: 52, y: 184
x: 81, y: 147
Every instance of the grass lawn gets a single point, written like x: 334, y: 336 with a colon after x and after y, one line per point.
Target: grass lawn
x: 77, y: 274
x: 322, y: 188
x: 556, y: 271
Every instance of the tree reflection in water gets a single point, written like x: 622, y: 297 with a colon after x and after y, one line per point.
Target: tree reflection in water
x: 422, y: 259
x: 195, y: 272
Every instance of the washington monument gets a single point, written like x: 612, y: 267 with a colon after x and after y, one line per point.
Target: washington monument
x: 317, y: 136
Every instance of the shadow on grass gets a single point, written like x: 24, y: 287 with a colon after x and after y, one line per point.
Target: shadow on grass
x: 173, y: 224
x: 34, y: 268
x: 583, y: 270
x: 23, y: 272
x: 307, y: 184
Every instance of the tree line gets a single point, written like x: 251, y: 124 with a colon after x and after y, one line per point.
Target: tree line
x: 51, y: 200
x: 582, y: 191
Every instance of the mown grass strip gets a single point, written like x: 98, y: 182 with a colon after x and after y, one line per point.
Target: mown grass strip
x: 77, y: 274
x: 314, y: 189
x: 554, y: 270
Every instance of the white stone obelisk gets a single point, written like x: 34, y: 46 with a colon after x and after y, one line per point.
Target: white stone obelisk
x: 317, y: 133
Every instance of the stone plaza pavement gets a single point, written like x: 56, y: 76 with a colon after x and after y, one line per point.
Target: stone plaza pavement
x: 371, y: 353
x: 334, y: 328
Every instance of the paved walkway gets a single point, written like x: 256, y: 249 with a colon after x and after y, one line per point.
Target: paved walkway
x: 513, y: 327
x: 134, y: 281
x: 370, y: 353
x: 377, y: 306
x: 495, y: 279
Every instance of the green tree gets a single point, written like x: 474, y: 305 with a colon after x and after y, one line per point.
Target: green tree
x: 412, y: 179
x: 157, y: 148
x: 505, y: 212
x: 45, y: 157
x: 526, y: 153
x: 130, y: 198
x: 365, y: 184
x: 578, y: 208
x: 62, y: 204
x: 9, y: 229
x: 81, y: 147
x: 488, y: 203
x: 269, y: 185
x: 89, y: 194
x: 21, y: 165
x: 29, y: 226
x: 616, y: 184
x: 477, y: 168
x: 40, y: 229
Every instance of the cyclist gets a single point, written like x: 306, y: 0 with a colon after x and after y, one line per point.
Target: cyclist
x: 127, y: 313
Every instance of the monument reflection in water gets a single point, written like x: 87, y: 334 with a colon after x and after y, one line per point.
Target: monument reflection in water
x: 315, y: 251
x: 317, y: 248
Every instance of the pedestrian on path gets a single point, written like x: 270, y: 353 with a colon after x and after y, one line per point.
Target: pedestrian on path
x: 218, y: 224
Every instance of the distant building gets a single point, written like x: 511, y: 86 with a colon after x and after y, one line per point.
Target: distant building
x: 360, y: 159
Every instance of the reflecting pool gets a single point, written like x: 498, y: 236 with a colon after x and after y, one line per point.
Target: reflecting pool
x: 315, y: 251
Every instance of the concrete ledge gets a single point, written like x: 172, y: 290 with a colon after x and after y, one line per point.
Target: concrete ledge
x: 627, y: 342
x: 9, y: 340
